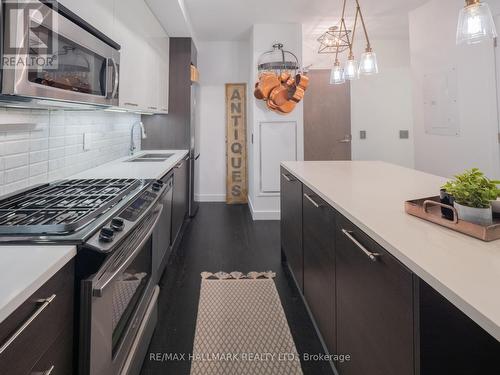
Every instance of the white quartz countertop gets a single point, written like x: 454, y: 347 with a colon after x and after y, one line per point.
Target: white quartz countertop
x: 372, y: 194
x: 24, y: 269
x: 120, y: 168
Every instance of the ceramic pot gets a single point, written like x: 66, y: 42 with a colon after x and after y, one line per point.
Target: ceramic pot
x: 481, y: 216
x: 495, y: 206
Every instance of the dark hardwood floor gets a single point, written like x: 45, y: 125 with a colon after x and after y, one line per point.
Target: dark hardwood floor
x: 223, y: 238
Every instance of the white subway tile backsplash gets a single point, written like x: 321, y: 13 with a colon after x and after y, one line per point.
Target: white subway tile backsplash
x: 15, y: 147
x: 15, y: 161
x: 38, y: 156
x: 40, y: 146
x: 17, y: 174
x: 39, y: 168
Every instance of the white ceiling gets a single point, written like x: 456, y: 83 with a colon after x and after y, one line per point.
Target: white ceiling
x: 222, y: 20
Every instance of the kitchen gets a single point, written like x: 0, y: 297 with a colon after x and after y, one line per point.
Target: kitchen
x: 145, y: 229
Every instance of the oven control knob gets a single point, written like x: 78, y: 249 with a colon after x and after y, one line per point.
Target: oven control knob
x: 117, y: 224
x: 107, y: 235
x: 157, y: 186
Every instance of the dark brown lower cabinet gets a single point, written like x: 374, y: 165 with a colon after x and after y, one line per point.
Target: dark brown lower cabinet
x: 368, y: 305
x: 37, y: 338
x: 448, y: 341
x: 180, y: 198
x: 291, y: 225
x: 319, y: 264
x: 374, y: 307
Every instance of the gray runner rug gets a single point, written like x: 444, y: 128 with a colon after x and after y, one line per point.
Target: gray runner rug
x: 241, y: 328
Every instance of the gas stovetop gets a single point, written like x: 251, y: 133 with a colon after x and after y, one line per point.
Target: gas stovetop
x: 62, y: 207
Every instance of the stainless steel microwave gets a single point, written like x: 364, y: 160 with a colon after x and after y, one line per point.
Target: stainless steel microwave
x: 50, y: 55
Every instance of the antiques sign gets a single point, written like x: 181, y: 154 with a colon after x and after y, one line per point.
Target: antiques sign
x: 236, y: 118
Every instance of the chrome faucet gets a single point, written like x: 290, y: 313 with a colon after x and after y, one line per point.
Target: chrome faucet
x: 143, y: 136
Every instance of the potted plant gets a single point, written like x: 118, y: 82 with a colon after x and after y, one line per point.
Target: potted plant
x: 473, y: 193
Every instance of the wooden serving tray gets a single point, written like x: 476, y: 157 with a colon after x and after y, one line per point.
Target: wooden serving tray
x: 430, y: 209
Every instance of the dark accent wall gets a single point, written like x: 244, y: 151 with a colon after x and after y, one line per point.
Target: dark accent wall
x: 172, y: 131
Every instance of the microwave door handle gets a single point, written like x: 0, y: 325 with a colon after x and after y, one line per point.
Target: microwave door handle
x: 99, y: 291
x: 117, y: 76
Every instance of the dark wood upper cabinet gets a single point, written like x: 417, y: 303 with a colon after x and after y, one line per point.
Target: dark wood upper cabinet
x: 291, y: 225
x: 319, y: 264
x: 374, y: 306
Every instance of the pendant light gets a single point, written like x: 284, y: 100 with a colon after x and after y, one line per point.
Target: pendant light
x: 351, y: 70
x: 337, y: 74
x: 338, y: 39
x: 475, y: 23
x: 368, y: 64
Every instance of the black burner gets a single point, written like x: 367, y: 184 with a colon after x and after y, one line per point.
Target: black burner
x: 61, y: 207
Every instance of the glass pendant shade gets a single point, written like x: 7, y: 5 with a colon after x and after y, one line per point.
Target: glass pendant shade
x: 475, y: 24
x: 368, y: 63
x: 337, y: 75
x: 351, y: 70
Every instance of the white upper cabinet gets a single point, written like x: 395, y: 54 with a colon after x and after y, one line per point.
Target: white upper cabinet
x: 98, y: 13
x: 144, y: 57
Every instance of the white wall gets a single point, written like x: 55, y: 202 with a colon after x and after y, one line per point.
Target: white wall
x: 40, y: 146
x: 266, y: 205
x: 382, y: 106
x: 433, y: 49
x: 219, y: 63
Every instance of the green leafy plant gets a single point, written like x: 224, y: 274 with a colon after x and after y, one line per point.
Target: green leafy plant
x: 473, y: 189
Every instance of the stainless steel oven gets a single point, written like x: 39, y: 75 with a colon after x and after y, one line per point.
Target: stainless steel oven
x: 119, y: 301
x: 48, y: 55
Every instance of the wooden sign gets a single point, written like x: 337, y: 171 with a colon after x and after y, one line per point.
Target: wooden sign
x: 236, y: 143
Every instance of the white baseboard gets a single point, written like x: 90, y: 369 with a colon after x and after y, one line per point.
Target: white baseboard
x: 210, y: 197
x: 263, y: 215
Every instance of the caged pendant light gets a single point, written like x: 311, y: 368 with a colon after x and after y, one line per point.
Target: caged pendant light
x: 352, y: 69
x: 475, y: 23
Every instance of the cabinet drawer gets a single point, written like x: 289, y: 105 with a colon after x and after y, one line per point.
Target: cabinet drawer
x: 319, y: 264
x: 375, y: 322
x: 58, y: 359
x: 291, y: 225
x: 27, y: 333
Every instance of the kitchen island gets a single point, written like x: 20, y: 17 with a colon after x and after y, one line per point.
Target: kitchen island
x: 355, y: 212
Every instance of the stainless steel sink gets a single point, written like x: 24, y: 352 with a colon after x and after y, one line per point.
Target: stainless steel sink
x: 145, y: 160
x: 156, y: 156
x: 150, y: 158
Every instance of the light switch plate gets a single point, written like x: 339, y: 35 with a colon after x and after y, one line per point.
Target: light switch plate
x: 404, y: 134
x: 362, y: 134
x: 87, y: 141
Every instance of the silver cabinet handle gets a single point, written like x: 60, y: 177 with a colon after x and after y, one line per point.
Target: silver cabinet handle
x: 286, y: 177
x: 309, y: 198
x: 155, y: 108
x: 47, y: 372
x: 131, y: 104
x: 373, y: 256
x: 44, y: 304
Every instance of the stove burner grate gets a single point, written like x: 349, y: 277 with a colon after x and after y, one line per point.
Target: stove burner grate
x: 61, y: 207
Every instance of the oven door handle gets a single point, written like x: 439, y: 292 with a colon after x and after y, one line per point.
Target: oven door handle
x: 98, y: 291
